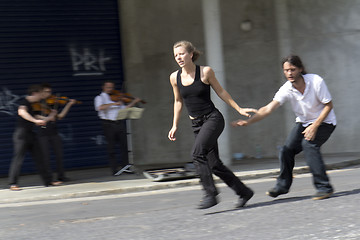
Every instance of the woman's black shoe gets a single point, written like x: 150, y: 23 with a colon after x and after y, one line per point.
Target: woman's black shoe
x: 244, y: 199
x: 208, y: 202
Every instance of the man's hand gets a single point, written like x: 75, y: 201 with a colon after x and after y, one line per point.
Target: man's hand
x: 39, y: 122
x: 72, y: 101
x: 310, y: 132
x: 118, y: 103
x: 52, y: 115
x: 239, y: 122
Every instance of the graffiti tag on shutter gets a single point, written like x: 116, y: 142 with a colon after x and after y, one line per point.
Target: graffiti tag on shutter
x: 8, y: 101
x: 87, y: 62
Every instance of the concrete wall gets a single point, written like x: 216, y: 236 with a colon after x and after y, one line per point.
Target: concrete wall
x: 324, y: 35
x: 327, y: 36
x: 149, y: 29
x: 252, y: 70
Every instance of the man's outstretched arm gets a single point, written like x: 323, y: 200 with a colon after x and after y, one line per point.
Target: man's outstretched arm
x: 261, y: 114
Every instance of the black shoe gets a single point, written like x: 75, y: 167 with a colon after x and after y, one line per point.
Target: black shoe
x: 244, y: 199
x: 208, y: 202
x: 49, y: 184
x: 64, y: 179
x: 322, y: 195
x: 274, y: 192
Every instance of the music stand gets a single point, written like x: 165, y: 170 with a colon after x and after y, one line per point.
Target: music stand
x: 129, y: 114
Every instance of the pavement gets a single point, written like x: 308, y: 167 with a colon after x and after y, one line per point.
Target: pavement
x: 98, y: 181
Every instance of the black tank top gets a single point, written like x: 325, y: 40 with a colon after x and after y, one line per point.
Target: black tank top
x: 196, y: 96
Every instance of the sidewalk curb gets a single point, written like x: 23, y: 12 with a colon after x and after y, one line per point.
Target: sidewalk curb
x: 297, y: 170
x: 153, y: 186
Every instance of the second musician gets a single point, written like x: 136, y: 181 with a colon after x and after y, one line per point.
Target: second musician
x: 114, y: 130
x: 49, y: 135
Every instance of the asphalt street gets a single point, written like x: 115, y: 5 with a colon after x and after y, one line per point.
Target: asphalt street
x: 172, y: 214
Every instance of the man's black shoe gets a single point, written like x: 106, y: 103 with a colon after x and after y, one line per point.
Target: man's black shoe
x: 64, y: 179
x: 208, y: 202
x: 322, y: 195
x: 274, y: 192
x: 244, y: 199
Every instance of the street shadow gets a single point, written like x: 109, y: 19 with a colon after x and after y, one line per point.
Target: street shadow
x: 346, y: 193
x: 285, y: 200
x: 264, y: 204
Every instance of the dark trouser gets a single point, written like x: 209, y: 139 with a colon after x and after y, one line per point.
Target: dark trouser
x: 54, y: 141
x: 296, y: 143
x: 27, y: 141
x: 205, y: 154
x: 115, y: 132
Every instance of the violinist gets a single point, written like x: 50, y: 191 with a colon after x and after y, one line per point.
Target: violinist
x: 25, y: 138
x: 114, y: 130
x: 49, y: 135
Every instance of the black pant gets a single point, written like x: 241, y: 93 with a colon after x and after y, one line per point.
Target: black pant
x: 54, y: 141
x: 115, y: 132
x: 24, y: 141
x: 207, y: 130
x: 296, y: 143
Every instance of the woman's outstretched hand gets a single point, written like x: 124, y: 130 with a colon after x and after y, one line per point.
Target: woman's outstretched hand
x: 245, y: 111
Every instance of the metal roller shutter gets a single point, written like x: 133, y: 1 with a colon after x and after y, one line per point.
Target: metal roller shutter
x: 72, y: 44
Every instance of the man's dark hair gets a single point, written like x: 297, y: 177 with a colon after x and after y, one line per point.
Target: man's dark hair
x: 108, y: 81
x: 294, y: 60
x: 46, y: 85
x: 35, y: 88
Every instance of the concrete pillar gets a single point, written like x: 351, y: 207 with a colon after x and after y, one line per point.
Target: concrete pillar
x: 285, y: 49
x: 214, y: 58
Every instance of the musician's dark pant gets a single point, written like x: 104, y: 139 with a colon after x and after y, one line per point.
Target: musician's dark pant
x: 27, y: 141
x: 115, y: 132
x: 296, y: 143
x: 55, y: 142
x: 205, y: 154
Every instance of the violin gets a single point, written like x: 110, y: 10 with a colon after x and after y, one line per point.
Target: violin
x: 52, y: 100
x: 40, y: 107
x: 117, y: 96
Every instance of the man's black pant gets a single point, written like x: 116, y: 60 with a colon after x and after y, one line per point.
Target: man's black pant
x: 115, y: 132
x: 24, y: 141
x: 296, y: 143
x: 54, y: 142
x: 205, y: 154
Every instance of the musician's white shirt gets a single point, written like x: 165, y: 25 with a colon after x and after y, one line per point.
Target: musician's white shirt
x: 110, y: 113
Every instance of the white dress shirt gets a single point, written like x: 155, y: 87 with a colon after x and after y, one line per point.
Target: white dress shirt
x: 308, y: 106
x: 110, y: 113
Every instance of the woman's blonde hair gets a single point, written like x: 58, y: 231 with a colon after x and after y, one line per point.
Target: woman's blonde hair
x: 189, y: 47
